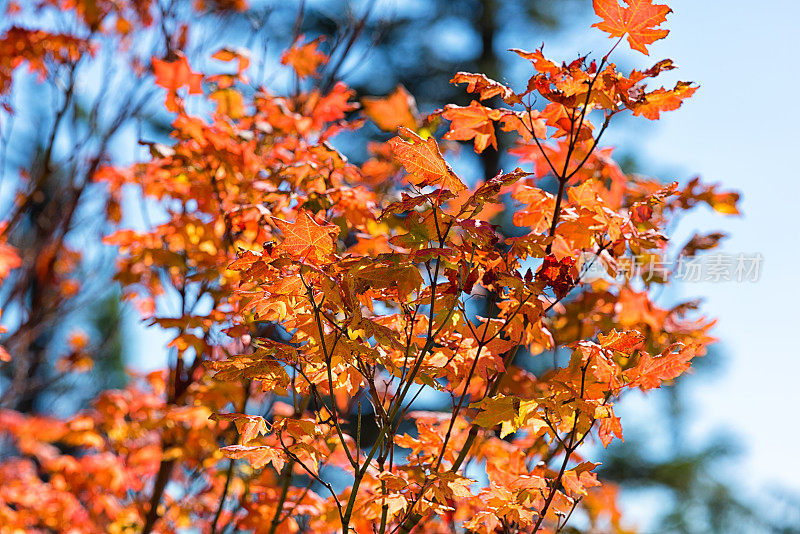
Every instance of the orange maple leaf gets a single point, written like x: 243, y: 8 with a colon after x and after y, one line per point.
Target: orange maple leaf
x: 624, y: 341
x: 650, y: 372
x: 424, y: 163
x: 485, y: 87
x: 392, y: 112
x: 653, y: 103
x: 720, y: 201
x: 228, y: 54
x: 304, y: 59
x: 249, y: 426
x: 305, y: 237
x: 172, y: 75
x: 609, y: 427
x: 639, y: 21
x: 540, y: 63
x: 229, y: 103
x: 472, y: 122
x: 258, y: 457
x: 576, y: 482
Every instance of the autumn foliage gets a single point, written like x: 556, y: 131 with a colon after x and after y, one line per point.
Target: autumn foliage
x: 304, y: 292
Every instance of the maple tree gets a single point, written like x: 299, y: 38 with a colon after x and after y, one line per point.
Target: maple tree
x: 311, y: 291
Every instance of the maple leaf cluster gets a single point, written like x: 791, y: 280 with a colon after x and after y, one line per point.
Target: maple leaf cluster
x: 313, y: 291
x: 560, y: 275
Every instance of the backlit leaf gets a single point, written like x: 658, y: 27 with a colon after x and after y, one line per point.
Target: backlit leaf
x: 638, y: 19
x: 424, y: 163
x: 305, y: 237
